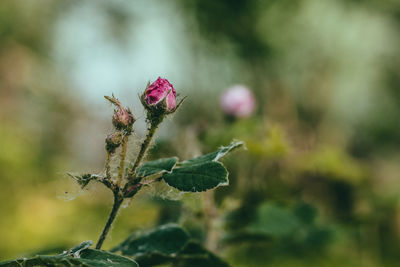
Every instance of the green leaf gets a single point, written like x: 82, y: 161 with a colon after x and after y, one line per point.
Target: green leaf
x: 197, y: 177
x: 214, y: 156
x: 77, y: 256
x: 165, y: 240
x: 94, y: 257
x: 77, y: 249
x: 273, y: 220
x: 201, y: 173
x: 192, y: 255
x: 306, y: 213
x: 156, y: 166
x: 167, y: 244
x: 195, y: 255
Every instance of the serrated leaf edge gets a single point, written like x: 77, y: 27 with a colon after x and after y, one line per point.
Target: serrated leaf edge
x: 220, y: 184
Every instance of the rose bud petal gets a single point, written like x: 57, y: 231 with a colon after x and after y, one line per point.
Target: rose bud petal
x: 159, y: 93
x: 238, y: 101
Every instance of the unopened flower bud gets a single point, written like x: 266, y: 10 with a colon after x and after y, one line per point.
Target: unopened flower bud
x: 160, y: 95
x: 113, y: 141
x: 123, y: 119
x: 238, y: 101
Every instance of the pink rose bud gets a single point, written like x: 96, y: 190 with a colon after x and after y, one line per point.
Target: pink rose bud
x: 238, y: 101
x: 160, y: 92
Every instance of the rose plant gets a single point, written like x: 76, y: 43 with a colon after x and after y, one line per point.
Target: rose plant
x: 166, y: 243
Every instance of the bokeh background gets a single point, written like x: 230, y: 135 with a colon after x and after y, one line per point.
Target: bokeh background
x: 319, y: 182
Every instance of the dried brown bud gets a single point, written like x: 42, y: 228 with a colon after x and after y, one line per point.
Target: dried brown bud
x: 113, y: 141
x: 123, y: 118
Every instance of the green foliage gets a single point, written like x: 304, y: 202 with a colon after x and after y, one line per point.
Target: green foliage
x: 285, y: 230
x: 164, y: 240
x: 294, y: 225
x: 167, y: 244
x: 274, y: 221
x: 197, y: 177
x: 201, y: 173
x: 78, y: 256
x: 333, y: 164
x: 214, y: 156
x: 156, y: 166
x: 195, y: 255
x: 279, y: 233
x: 306, y: 213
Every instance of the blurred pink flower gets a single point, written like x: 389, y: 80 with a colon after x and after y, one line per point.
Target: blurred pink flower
x: 238, y: 101
x: 158, y: 91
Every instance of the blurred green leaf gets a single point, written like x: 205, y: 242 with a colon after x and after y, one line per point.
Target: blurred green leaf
x: 305, y: 212
x: 195, y: 255
x: 167, y: 244
x: 156, y: 166
x: 197, y: 177
x: 274, y: 221
x: 165, y: 240
x: 333, y: 163
x: 78, y: 256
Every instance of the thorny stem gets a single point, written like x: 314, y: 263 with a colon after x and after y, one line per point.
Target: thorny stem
x: 145, y: 145
x: 108, y: 171
x: 118, y: 198
x: 117, y: 204
x: 123, y: 156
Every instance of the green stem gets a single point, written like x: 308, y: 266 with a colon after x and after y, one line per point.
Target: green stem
x: 108, y: 171
x: 123, y: 156
x: 145, y: 145
x: 117, y: 204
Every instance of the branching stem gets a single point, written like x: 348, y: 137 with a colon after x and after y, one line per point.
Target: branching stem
x: 117, y: 204
x: 131, y: 175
